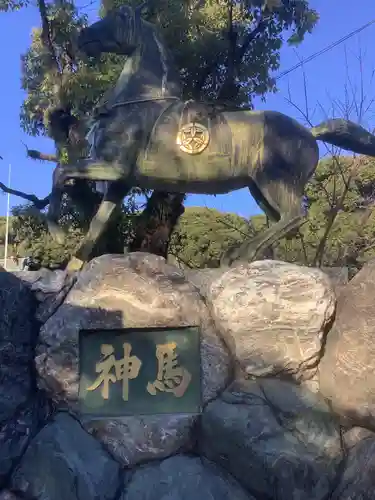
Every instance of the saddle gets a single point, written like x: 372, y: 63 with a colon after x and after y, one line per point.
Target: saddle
x: 190, y: 131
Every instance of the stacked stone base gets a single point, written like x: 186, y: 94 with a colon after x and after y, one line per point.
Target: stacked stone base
x: 273, y: 349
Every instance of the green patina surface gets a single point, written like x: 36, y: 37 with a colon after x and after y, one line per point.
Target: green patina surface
x: 139, y: 371
x: 221, y: 167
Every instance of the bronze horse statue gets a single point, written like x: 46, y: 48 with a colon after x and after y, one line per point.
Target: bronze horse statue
x: 144, y: 135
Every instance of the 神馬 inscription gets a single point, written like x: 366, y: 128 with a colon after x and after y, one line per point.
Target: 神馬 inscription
x: 140, y: 371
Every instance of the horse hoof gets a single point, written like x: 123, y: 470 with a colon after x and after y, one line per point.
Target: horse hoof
x: 235, y: 258
x: 226, y: 260
x: 74, y: 264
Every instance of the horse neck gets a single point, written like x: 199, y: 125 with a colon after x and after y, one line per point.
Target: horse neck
x: 149, y: 73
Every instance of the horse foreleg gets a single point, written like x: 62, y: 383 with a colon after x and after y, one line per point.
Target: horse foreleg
x: 113, y: 197
x: 50, y: 220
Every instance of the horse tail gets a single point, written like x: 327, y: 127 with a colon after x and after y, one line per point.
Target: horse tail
x: 347, y: 135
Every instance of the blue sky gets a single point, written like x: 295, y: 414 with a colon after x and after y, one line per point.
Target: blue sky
x: 326, y: 76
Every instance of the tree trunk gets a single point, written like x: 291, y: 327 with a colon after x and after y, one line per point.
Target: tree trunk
x: 156, y: 223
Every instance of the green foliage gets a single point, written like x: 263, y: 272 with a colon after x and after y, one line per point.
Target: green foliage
x: 202, y: 53
x: 80, y: 82
x: 11, y: 5
x: 202, y: 234
x: 341, y: 202
x: 3, y: 230
x: 201, y: 56
x: 54, y: 76
x: 49, y: 253
x: 31, y: 238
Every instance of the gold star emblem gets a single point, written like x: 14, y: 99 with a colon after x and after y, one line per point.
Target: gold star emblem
x: 193, y: 138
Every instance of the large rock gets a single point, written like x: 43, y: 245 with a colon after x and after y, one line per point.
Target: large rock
x: 138, y: 290
x: 21, y: 406
x: 134, y: 440
x: 274, y: 315
x: 203, y: 278
x: 339, y: 276
x: 358, y: 479
x: 183, y: 478
x: 346, y: 372
x: 64, y: 462
x: 50, y: 289
x: 8, y: 495
x: 275, y: 437
x: 43, y: 281
x: 355, y: 435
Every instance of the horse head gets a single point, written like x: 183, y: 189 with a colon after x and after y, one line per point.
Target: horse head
x: 117, y: 33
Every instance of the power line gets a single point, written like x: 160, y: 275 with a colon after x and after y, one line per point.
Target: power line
x: 326, y: 49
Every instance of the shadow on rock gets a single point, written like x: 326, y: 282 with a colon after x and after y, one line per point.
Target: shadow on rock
x: 51, y: 456
x: 23, y: 408
x: 276, y: 437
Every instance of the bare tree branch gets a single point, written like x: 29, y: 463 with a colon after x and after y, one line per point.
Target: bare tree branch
x: 249, y: 38
x: 227, y: 88
x: 235, y: 55
x: 179, y: 259
x: 37, y: 155
x: 232, y: 226
x: 319, y: 254
x: 355, y: 101
x: 37, y: 202
x: 46, y: 35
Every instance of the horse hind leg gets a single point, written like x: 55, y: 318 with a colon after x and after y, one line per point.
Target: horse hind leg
x: 281, y: 201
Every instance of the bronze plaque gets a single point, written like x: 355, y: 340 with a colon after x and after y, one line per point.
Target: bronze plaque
x: 139, y: 371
